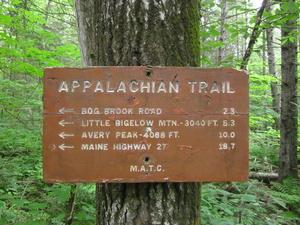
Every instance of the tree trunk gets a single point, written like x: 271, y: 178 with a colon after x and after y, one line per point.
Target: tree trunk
x: 289, y: 111
x: 204, y: 23
x: 238, y: 50
x: 134, y: 33
x: 272, y: 72
x: 221, y: 50
x: 255, y: 34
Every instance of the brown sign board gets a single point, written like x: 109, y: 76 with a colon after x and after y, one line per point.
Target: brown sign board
x: 145, y: 124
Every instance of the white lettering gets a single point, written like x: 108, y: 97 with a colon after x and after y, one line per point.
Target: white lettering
x: 143, y: 169
x: 96, y: 123
x: 74, y: 84
x: 92, y: 147
x: 95, y: 134
x: 63, y: 86
x: 133, y: 168
x: 167, y: 123
x: 133, y: 123
x: 174, y: 134
x: 146, y: 87
x: 108, y: 88
x: 125, y: 134
x: 86, y: 84
x: 99, y: 87
x: 131, y: 88
x: 192, y: 83
x: 134, y: 146
x: 200, y: 123
x: 162, y: 87
x: 146, y: 168
x: 118, y: 111
x: 90, y: 111
x: 174, y: 87
x: 227, y: 84
x: 121, y: 87
x: 149, y: 111
x: 215, y: 87
x: 203, y: 86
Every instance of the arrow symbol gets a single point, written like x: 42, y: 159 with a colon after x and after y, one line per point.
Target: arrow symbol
x: 63, y: 135
x: 63, y: 110
x: 63, y: 146
x: 63, y: 123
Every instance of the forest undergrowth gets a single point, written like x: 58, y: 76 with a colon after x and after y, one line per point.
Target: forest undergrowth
x: 39, y: 34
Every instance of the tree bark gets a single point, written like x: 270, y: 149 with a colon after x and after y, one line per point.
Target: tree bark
x: 134, y: 33
x: 221, y: 50
x: 266, y: 177
x: 70, y: 204
x: 272, y: 72
x: 289, y: 104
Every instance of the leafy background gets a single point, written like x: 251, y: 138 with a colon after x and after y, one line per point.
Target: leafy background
x: 38, y: 34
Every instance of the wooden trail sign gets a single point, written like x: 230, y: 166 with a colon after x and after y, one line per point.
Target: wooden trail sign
x: 145, y: 124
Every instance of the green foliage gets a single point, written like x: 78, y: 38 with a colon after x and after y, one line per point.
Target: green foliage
x: 34, y: 35
x: 30, y: 39
x: 46, y: 205
x: 287, y: 195
x: 247, y: 203
x: 261, y: 113
x: 289, y: 186
x: 237, y: 29
x: 264, y: 139
x: 264, y: 150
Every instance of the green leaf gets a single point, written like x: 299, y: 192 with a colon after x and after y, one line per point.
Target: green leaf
x: 228, y: 211
x: 36, y: 205
x: 215, y: 33
x: 290, y: 215
x: 6, y: 20
x: 6, y: 196
x: 291, y: 6
x: 248, y: 198
x: 279, y: 201
x: 31, y: 222
x: 234, y: 35
x: 216, y: 44
x: 62, y: 193
x: 16, y: 1
x: 60, y: 217
x: 223, y: 192
x: 19, y: 202
x: 2, y: 204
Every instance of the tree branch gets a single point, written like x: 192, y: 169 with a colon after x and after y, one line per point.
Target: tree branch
x: 255, y: 34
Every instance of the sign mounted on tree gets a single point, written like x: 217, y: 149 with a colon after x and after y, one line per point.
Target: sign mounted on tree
x: 145, y: 124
